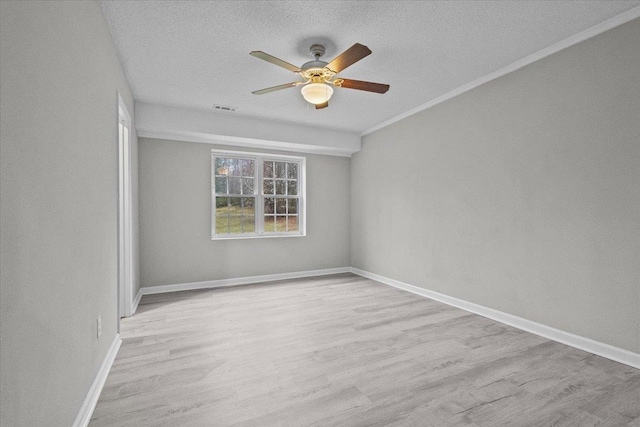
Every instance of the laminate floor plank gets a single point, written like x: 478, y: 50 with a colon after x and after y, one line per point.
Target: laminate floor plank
x: 343, y: 350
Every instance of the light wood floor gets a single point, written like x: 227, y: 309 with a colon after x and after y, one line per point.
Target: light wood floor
x: 346, y: 351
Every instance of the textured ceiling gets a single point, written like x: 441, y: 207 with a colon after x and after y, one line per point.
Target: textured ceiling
x: 196, y: 54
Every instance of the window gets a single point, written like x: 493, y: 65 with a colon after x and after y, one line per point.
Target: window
x: 257, y: 195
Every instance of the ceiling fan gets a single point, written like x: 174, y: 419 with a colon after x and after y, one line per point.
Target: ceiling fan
x: 319, y: 76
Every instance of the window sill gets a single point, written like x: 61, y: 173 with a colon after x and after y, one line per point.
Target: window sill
x: 256, y: 236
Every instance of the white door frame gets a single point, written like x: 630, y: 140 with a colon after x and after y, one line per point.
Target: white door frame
x: 125, y: 239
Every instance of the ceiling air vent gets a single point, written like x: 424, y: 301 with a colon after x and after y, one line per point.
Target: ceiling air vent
x: 224, y: 108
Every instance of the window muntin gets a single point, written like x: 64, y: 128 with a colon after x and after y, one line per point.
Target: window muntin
x: 257, y: 195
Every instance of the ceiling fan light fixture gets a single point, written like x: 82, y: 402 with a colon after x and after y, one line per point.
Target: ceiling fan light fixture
x: 318, y: 76
x: 317, y: 93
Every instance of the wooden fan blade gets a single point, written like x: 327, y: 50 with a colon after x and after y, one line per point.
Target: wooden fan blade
x: 275, y: 61
x: 368, y: 86
x: 274, y: 88
x: 323, y: 105
x: 349, y: 57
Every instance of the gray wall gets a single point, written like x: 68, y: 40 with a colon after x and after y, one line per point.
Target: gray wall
x: 175, y: 226
x: 521, y: 195
x: 58, y: 208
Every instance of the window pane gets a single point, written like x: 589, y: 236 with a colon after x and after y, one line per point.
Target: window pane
x: 220, y: 166
x: 281, y: 223
x: 292, y: 170
x: 227, y: 168
x: 281, y: 170
x: 235, y: 215
x: 268, y: 223
x: 221, y: 205
x: 269, y: 205
x: 292, y: 223
x: 267, y: 170
x: 249, y: 224
x: 221, y: 224
x: 247, y: 185
x: 221, y: 184
x: 292, y: 188
x: 235, y: 185
x: 293, y: 206
x: 222, y: 212
x: 280, y: 187
x: 281, y: 206
x: 235, y: 224
x: 246, y: 167
x: 268, y: 186
x: 235, y: 167
x: 248, y: 206
x: 235, y: 206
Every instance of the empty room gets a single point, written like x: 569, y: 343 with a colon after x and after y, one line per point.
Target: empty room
x: 330, y: 213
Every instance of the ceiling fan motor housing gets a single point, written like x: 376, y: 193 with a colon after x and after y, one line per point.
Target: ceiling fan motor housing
x: 313, y: 64
x: 317, y: 50
x: 314, y: 68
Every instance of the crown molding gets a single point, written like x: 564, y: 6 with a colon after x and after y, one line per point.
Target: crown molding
x: 616, y: 21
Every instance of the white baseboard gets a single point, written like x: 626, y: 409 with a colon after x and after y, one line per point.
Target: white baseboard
x: 136, y: 301
x: 601, y: 349
x: 90, y: 401
x: 222, y: 283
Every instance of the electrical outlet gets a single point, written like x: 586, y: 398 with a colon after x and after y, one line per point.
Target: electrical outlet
x: 99, y: 323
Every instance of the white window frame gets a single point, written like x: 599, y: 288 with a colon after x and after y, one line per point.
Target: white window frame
x: 259, y: 196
